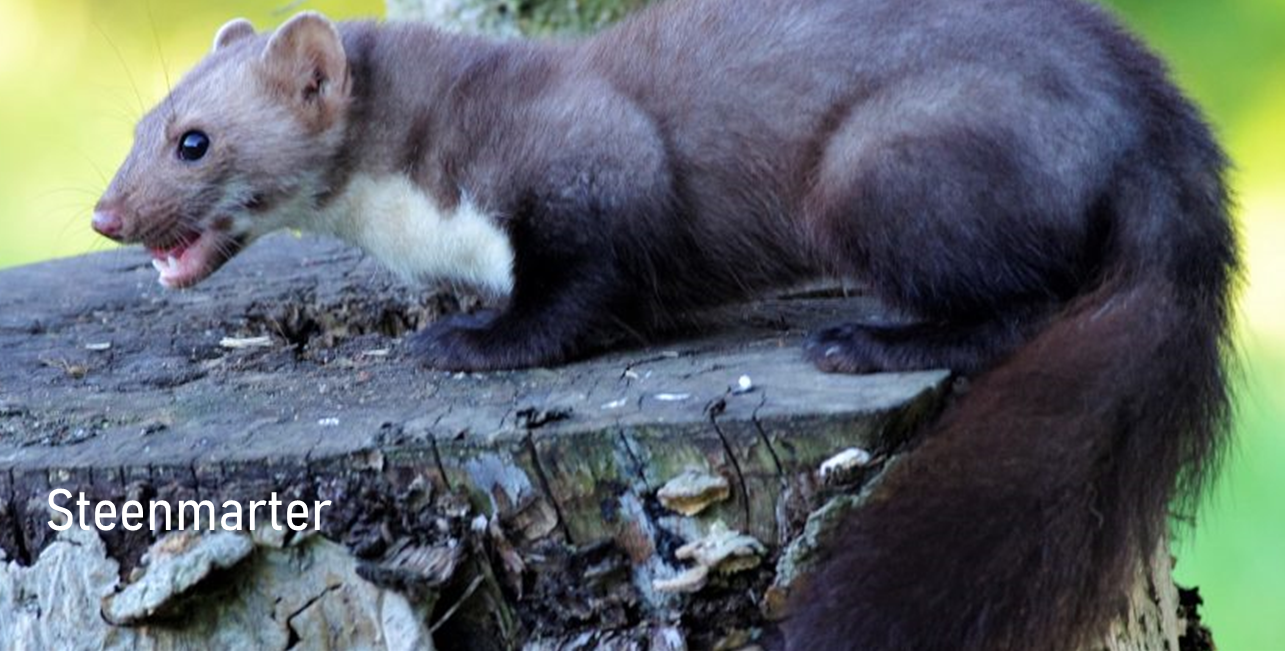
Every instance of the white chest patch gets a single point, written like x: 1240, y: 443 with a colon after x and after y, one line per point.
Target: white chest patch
x: 402, y: 226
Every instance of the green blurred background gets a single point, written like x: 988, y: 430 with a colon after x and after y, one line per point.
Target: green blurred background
x: 75, y: 74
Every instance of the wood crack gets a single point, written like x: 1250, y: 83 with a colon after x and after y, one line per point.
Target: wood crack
x: 715, y: 409
x: 295, y: 640
x: 546, y: 487
x: 22, y: 552
x: 639, y: 467
x: 437, y: 460
x: 767, y: 442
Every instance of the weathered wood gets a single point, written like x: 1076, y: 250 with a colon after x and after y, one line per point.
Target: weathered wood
x: 116, y: 387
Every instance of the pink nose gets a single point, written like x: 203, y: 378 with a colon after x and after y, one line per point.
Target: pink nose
x: 108, y: 223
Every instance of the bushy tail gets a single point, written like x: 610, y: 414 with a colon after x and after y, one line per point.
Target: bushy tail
x: 1018, y: 522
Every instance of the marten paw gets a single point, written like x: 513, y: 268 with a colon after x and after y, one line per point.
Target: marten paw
x: 846, y: 348
x: 456, y: 343
x: 485, y: 341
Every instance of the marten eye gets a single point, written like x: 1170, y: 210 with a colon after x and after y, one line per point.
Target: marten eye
x: 193, y: 145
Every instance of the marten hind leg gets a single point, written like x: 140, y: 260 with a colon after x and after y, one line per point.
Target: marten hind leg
x: 948, y: 226
x: 963, y: 347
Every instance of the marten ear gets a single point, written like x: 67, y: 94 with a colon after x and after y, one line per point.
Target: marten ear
x: 232, y: 32
x: 304, y: 63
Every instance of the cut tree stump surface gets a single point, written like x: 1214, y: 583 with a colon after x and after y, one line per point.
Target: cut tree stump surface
x: 102, y: 367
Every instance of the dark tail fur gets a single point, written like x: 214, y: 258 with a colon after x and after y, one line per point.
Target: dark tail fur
x: 1018, y: 522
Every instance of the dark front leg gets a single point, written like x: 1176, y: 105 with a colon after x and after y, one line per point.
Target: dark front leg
x: 520, y: 337
x: 569, y: 297
x: 587, y: 240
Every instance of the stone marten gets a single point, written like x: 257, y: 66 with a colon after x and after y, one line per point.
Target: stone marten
x: 1018, y: 175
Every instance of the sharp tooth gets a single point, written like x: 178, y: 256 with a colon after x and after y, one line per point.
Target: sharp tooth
x: 158, y: 265
x: 173, y: 262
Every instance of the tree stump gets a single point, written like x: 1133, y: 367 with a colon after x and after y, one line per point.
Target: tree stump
x: 650, y: 498
x: 535, y: 501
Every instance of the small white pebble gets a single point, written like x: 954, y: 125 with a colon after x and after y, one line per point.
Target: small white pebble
x: 107, y: 345
x: 328, y: 422
x: 615, y: 404
x: 673, y: 397
x: 844, y: 461
x: 631, y: 374
x: 743, y: 385
x: 236, y: 343
x: 378, y: 352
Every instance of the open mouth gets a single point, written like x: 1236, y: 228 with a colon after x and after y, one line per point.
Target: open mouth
x: 192, y: 256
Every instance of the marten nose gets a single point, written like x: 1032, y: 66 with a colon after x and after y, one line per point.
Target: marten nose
x: 108, y: 223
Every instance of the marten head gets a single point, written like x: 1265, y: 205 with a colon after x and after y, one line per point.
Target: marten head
x: 239, y: 148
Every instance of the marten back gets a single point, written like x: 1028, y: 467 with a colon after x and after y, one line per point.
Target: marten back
x: 765, y: 107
